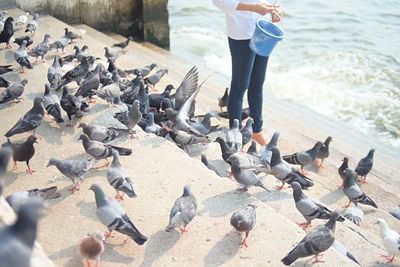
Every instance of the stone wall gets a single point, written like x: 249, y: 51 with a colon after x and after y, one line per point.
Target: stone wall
x: 143, y: 19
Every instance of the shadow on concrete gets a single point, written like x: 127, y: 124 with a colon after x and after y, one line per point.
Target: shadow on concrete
x: 157, y: 245
x: 224, y: 250
x: 87, y: 209
x: 274, y: 195
x: 332, y: 197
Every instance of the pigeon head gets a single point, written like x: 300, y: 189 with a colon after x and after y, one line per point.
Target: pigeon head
x: 152, y: 66
x: 150, y: 118
x: 249, y: 122
x: 82, y: 125
x: 99, y: 195
x: 382, y: 225
x: 9, y: 20
x: 371, y: 154
x: 331, y: 223
x: 136, y: 104
x: 204, y: 159
x: 169, y: 87
x: 253, y: 206
x: 84, y: 137
x: 46, y: 36
x: 24, y: 82
x: 24, y: 42
x: 346, y: 160
x: 52, y: 162
x: 328, y: 140
x: 37, y: 102
x: 99, y: 235
x: 235, y: 124
x: 115, y: 154
x: 31, y: 139
x: 187, y: 191
x: 295, y: 186
x: 208, y: 116
x: 274, y: 140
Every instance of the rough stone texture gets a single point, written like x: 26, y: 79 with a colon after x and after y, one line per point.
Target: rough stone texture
x: 144, y: 20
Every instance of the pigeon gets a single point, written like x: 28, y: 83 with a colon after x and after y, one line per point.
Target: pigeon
x: 247, y: 131
x: 74, y: 169
x: 315, y: 242
x: 184, y: 139
x: 109, y: 92
x: 21, y: 56
x: 244, y: 220
x: 244, y: 176
x: 303, y: 158
x: 41, y: 49
x: 124, y: 44
x: 27, y: 38
x: 60, y: 44
x: 223, y: 101
x: 55, y: 72
x: 52, y: 104
x: 98, y: 150
x: 219, y: 171
x: 309, y: 208
x: 323, y: 151
x: 23, y: 151
x: 155, y: 100
x: 252, y: 150
x: 112, y: 54
x: 395, y: 212
x: 354, y: 215
x: 14, y: 91
x: 365, y: 166
x: 32, y: 25
x: 17, y: 240
x: 131, y: 117
x: 225, y: 149
x: 151, y: 127
x: 234, y: 136
x: 285, y: 173
x: 391, y: 241
x: 118, y: 178
x: 76, y: 74
x: 142, y: 71
x: 7, y: 32
x: 156, y: 77
x: 344, y: 166
x: 187, y: 88
x: 89, y: 86
x: 112, y: 66
x: 30, y: 121
x: 5, y: 69
x: 72, y: 105
x: 110, y: 213
x: 353, y: 191
x: 183, y: 211
x: 17, y: 199
x: 73, y: 36
x: 143, y: 98
x: 74, y: 55
x: 92, y: 247
x: 204, y: 126
x: 100, y: 133
x: 23, y: 19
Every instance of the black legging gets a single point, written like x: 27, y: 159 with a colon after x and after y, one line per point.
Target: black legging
x: 248, y: 72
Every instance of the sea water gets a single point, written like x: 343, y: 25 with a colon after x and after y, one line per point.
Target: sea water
x: 338, y: 58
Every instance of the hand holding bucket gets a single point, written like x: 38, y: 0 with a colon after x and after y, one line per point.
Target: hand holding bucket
x: 265, y: 37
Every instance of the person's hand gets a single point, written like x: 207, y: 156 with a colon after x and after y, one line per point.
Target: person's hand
x: 277, y: 14
x: 263, y: 8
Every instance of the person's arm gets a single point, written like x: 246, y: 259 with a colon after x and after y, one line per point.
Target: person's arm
x: 230, y: 6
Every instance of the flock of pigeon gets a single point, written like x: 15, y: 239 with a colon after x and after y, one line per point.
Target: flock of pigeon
x: 167, y: 114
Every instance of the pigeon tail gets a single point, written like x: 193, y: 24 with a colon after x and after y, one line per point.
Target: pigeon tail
x: 292, y: 159
x: 260, y: 184
x: 367, y: 201
x: 289, y: 259
x: 123, y: 151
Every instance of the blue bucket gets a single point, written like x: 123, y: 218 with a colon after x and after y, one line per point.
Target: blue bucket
x: 265, y: 37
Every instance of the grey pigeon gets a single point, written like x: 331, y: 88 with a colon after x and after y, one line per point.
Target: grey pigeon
x: 266, y: 152
x: 303, y: 158
x: 183, y: 211
x: 323, y: 151
x: 124, y: 44
x: 109, y: 92
x: 110, y: 213
x: 218, y: 170
x: 353, y: 214
x: 89, y: 86
x: 344, y: 166
x: 98, y: 150
x: 75, y: 55
x: 101, y: 133
x: 244, y: 176
x: 225, y: 149
x: 55, y: 72
x: 112, y: 67
x: 131, y: 117
x: 76, y: 74
x: 30, y: 121
x: 73, y: 35
x: 52, y: 104
x: 17, y: 240
x: 244, y: 220
x: 112, y: 54
x: 17, y: 199
x: 13, y: 91
x: 143, y: 98
x: 156, y: 77
x: 23, y: 151
x: 395, y: 212
x: 41, y: 49
x: 204, y: 126
x: 223, y: 101
x: 72, y: 105
x: 365, y: 165
x: 309, y: 208
x: 32, y: 25
x: 61, y: 43
x: 118, y: 178
x: 285, y: 173
x: 315, y: 242
x: 151, y: 127
x: 353, y: 191
x: 252, y: 150
x: 74, y: 169
x: 144, y: 71
x: 22, y: 58
x: 184, y: 139
x: 247, y: 131
x: 234, y: 136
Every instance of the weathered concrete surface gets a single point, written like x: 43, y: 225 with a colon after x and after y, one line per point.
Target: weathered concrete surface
x: 144, y: 20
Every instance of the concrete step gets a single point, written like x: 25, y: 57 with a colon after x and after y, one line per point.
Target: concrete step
x: 160, y: 170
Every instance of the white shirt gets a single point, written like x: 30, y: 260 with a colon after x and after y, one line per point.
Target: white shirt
x: 239, y: 24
